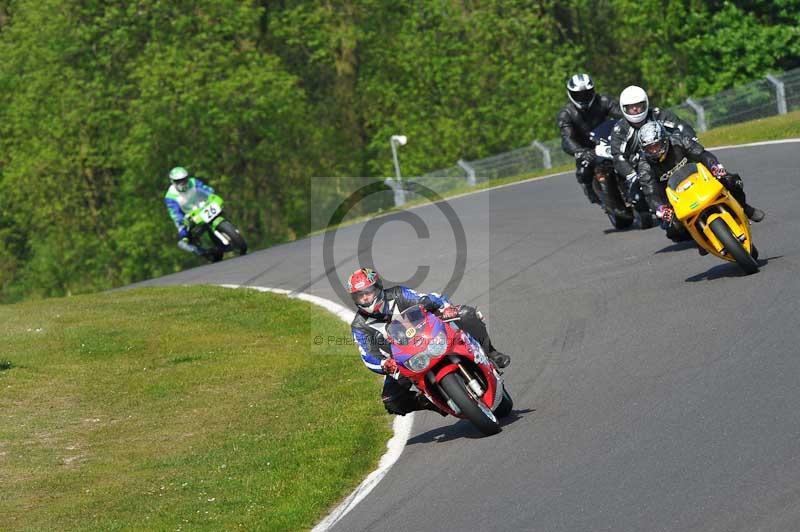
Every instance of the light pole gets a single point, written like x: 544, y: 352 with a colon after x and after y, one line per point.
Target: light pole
x: 399, y: 193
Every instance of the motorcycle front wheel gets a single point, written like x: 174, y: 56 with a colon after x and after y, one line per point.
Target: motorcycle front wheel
x: 473, y: 409
x: 732, y: 245
x: 506, y: 404
x: 237, y: 242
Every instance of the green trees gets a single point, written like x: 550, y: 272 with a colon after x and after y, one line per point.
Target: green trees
x: 100, y: 99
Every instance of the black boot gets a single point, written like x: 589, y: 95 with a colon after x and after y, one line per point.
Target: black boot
x: 500, y: 360
x: 212, y: 255
x: 754, y: 213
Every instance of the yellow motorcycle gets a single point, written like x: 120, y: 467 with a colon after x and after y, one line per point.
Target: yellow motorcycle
x: 712, y: 216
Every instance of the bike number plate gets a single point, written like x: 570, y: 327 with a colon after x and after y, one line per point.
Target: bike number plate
x: 209, y: 212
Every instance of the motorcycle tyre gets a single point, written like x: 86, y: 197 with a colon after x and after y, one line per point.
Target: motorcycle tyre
x: 237, y: 241
x: 505, y: 406
x: 732, y: 245
x: 456, y: 389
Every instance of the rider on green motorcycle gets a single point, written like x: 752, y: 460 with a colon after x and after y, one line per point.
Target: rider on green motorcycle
x: 183, y: 195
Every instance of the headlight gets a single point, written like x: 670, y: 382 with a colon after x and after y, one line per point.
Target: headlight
x: 418, y: 362
x: 436, y: 347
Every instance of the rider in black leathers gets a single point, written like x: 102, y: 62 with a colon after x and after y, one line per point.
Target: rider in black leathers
x: 660, y: 153
x: 577, y: 119
x: 636, y: 111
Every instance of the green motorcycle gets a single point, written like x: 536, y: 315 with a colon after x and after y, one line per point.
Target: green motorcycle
x: 207, y: 218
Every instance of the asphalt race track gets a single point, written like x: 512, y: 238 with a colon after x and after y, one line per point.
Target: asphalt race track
x: 654, y: 389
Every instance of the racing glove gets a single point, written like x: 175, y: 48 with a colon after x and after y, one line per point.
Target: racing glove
x: 428, y: 304
x: 450, y: 312
x: 718, y: 170
x: 389, y: 367
x: 665, y: 214
x: 585, y: 157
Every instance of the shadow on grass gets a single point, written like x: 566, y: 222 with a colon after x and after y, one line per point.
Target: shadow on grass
x: 463, y: 429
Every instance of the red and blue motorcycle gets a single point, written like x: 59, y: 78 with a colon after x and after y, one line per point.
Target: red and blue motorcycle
x: 450, y: 368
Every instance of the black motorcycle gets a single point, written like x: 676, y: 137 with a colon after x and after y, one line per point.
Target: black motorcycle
x: 622, y: 208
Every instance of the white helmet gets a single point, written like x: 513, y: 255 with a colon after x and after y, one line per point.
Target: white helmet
x: 180, y: 178
x: 580, y: 89
x: 634, y: 104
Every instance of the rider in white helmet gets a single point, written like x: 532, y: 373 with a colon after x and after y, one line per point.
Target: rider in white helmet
x: 636, y: 111
x: 577, y: 120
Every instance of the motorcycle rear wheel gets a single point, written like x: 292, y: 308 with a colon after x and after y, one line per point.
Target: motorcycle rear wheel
x: 732, y: 245
x: 479, y: 414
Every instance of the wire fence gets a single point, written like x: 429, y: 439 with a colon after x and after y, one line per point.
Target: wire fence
x: 776, y: 94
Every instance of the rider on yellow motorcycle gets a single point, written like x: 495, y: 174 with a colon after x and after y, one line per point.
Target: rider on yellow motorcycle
x: 661, y: 153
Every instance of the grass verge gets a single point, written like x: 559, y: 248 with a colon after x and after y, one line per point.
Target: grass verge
x: 197, y: 408
x: 773, y: 128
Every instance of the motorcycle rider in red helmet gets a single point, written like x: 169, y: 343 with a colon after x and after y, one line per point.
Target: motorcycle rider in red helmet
x: 376, y: 306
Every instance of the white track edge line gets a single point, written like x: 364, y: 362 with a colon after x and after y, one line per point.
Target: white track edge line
x: 401, y: 425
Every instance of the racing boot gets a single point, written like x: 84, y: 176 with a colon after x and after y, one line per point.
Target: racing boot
x: 211, y: 255
x: 754, y: 213
x: 500, y: 360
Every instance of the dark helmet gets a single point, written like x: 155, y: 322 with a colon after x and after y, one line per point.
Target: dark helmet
x: 654, y: 141
x: 580, y: 89
x: 366, y: 289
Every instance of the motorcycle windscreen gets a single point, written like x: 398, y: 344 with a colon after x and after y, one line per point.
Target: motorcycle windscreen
x: 692, y: 188
x: 680, y: 174
x: 405, y: 326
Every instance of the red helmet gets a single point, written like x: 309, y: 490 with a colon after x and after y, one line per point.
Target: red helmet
x: 366, y: 289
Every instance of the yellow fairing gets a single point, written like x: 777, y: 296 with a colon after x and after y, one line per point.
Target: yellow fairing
x: 695, y: 193
x: 698, y: 200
